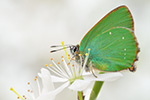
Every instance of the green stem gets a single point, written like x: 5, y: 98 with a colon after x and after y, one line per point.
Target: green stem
x: 96, y: 89
x: 80, y: 95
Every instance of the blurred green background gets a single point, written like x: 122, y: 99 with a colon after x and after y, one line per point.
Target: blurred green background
x: 29, y: 27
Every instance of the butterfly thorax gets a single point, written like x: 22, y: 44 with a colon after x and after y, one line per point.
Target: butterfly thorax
x: 74, y: 49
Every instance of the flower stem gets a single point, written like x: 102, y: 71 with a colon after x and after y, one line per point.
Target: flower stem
x: 96, y: 89
x: 80, y: 95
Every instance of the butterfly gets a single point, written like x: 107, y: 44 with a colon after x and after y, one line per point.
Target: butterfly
x: 112, y: 42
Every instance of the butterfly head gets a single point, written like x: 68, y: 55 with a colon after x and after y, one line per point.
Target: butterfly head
x: 74, y: 49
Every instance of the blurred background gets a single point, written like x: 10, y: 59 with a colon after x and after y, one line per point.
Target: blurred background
x: 29, y: 27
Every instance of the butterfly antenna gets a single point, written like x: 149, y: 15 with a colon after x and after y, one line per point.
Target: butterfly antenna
x: 55, y: 46
x: 58, y: 49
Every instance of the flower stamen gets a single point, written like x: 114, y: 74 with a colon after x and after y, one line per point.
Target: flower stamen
x: 58, y: 70
x: 65, y: 50
x: 31, y: 90
x: 54, y: 70
x: 85, y: 61
x: 19, y: 96
x: 67, y: 69
x: 51, y: 58
x: 50, y: 65
x: 38, y: 84
x: 45, y: 65
x: 68, y: 56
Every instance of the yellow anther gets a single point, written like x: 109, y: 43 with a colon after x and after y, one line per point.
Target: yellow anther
x: 50, y: 65
x: 79, y: 54
x: 62, y: 56
x: 73, y: 58
x: 24, y: 97
x: 45, y: 65
x: 28, y: 83
x: 28, y: 90
x: 62, y: 60
x: 89, y: 49
x: 68, y: 63
x: 72, y: 65
x: 51, y: 58
x: 86, y: 54
x: 68, y: 54
x: 18, y: 98
x: 58, y: 62
x: 35, y: 79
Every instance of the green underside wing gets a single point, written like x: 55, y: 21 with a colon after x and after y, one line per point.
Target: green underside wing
x: 112, y: 41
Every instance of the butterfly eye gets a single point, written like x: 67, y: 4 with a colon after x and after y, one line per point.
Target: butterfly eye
x: 73, y: 49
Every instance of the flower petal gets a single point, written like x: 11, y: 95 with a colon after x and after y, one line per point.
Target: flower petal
x: 51, y: 95
x: 111, y: 76
x: 61, y: 88
x: 87, y: 93
x: 58, y: 79
x: 46, y: 97
x: 46, y: 80
x: 79, y: 85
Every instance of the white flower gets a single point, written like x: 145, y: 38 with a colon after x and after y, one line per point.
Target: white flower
x: 77, y: 77
x: 48, y: 91
x: 71, y: 75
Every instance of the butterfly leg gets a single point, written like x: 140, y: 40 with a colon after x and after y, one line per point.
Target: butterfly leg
x: 91, y: 69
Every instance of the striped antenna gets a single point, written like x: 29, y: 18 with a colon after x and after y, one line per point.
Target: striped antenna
x: 55, y: 46
x: 61, y: 47
x: 58, y: 49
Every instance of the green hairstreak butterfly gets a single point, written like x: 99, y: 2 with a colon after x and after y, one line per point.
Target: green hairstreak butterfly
x: 112, y: 42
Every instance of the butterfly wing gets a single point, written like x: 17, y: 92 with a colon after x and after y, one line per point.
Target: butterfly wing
x: 112, y: 42
x: 120, y: 16
x: 115, y: 50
